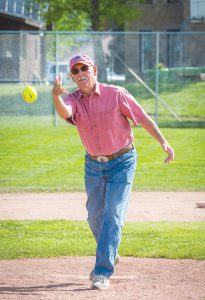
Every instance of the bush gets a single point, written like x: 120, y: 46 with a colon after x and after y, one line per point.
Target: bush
x: 173, y: 74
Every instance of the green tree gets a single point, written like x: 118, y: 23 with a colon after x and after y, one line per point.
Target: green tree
x: 94, y: 15
x: 99, y: 15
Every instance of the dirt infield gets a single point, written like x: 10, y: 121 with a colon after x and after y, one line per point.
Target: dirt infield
x: 143, y: 206
x: 66, y: 278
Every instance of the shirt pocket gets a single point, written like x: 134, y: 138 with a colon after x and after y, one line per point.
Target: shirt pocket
x: 108, y: 119
x: 82, y: 121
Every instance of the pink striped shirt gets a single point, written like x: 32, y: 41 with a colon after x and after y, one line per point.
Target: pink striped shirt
x: 102, y: 118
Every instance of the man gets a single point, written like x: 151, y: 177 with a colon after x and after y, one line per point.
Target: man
x: 101, y: 114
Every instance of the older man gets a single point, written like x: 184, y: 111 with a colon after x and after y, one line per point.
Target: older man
x: 101, y: 112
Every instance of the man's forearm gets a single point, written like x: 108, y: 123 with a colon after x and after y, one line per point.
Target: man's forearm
x: 151, y: 127
x: 63, y: 110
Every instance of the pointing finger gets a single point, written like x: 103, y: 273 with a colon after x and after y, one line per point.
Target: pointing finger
x: 60, y: 77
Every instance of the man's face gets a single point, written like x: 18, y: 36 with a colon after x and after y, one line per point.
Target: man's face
x: 85, y: 77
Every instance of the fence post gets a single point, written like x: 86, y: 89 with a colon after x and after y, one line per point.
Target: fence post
x: 56, y: 73
x: 157, y: 78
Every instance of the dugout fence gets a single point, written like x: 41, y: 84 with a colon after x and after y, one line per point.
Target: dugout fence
x: 165, y: 71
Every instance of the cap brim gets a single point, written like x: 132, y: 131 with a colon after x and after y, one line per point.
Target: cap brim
x: 81, y: 62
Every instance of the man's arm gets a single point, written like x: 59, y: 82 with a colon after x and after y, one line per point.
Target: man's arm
x: 151, y: 127
x: 64, y: 111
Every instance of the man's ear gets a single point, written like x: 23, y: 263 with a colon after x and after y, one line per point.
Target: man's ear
x: 95, y: 70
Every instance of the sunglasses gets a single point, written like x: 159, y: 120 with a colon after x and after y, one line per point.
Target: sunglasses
x: 75, y: 71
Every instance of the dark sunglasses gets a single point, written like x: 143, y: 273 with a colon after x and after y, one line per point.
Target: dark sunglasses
x: 75, y: 71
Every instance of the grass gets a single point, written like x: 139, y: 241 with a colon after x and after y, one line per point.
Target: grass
x: 36, y: 156
x: 185, y: 98
x: 21, y: 239
x: 44, y: 158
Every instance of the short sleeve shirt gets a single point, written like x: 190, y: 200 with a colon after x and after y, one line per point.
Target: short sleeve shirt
x: 102, y: 119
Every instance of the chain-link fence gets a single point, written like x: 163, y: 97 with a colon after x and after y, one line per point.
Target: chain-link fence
x: 164, y: 71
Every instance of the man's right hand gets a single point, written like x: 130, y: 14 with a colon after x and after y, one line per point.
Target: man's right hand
x: 64, y: 111
x: 58, y: 88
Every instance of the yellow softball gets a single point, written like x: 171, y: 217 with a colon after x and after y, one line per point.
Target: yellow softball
x: 29, y: 94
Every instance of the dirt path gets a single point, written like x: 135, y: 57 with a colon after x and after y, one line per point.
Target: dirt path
x: 143, y: 206
x: 66, y: 278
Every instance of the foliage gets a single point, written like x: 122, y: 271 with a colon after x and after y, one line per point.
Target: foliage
x: 74, y: 22
x: 101, y: 14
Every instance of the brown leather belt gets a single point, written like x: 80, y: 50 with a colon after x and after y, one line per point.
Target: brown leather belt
x: 104, y: 158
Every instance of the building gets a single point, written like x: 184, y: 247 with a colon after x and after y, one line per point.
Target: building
x: 181, y: 24
x: 19, y: 45
x: 170, y: 15
x: 20, y: 15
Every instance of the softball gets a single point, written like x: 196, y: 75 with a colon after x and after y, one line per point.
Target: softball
x: 29, y: 94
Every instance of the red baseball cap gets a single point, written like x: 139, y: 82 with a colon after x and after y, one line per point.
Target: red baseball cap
x: 84, y: 59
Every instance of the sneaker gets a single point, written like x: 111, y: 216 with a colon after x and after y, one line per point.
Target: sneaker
x: 92, y: 274
x: 100, y: 282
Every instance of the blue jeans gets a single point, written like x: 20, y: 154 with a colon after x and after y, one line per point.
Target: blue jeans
x: 108, y: 187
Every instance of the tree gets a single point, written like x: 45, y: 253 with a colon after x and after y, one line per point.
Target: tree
x: 93, y: 15
x: 99, y: 14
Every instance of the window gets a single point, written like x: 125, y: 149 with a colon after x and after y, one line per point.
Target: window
x: 174, y: 47
x: 173, y: 1
x: 19, y: 7
x: 197, y: 9
x: 11, y: 6
x: 3, y: 5
x: 146, y: 50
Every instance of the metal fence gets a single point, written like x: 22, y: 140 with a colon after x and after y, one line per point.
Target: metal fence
x: 165, y: 71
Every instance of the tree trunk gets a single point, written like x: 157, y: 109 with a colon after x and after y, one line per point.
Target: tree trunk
x: 95, y: 4
x: 97, y: 41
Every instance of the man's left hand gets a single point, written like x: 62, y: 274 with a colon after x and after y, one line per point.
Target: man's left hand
x: 168, y: 149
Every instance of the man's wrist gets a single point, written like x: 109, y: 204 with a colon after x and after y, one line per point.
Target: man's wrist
x: 164, y: 142
x: 56, y: 96
x: 164, y: 145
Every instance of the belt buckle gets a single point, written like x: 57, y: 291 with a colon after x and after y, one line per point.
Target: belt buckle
x: 102, y: 159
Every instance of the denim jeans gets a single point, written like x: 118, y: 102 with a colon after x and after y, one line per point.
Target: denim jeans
x: 108, y: 187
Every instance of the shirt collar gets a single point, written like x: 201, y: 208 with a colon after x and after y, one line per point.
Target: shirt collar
x: 96, y: 90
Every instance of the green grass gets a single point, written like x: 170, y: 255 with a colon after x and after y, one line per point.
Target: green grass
x: 185, y: 98
x: 20, y: 239
x: 44, y: 158
x: 34, y: 156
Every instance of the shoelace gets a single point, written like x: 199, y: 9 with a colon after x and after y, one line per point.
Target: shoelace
x: 100, y: 278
